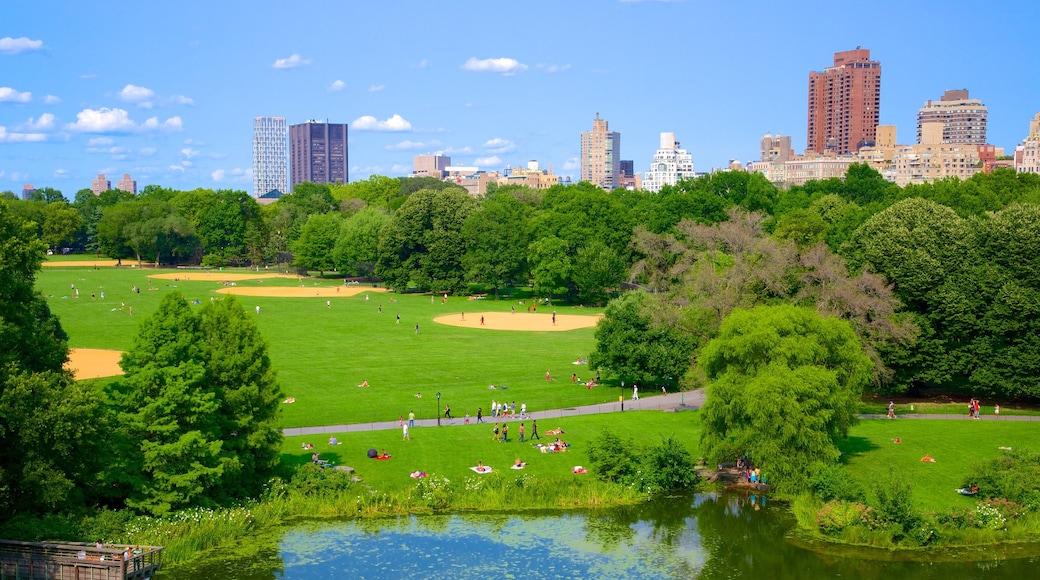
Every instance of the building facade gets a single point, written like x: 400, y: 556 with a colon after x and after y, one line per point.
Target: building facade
x: 844, y: 103
x: 775, y: 148
x: 963, y: 119
x: 932, y: 159
x: 1027, y: 155
x: 430, y: 165
x: 27, y: 190
x: 100, y: 184
x: 670, y: 164
x: 270, y: 157
x: 127, y: 184
x: 601, y: 155
x: 318, y: 153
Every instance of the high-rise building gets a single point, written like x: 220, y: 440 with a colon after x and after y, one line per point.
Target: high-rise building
x: 430, y: 165
x: 601, y: 155
x: 317, y: 153
x: 270, y: 156
x: 1027, y: 155
x: 127, y: 184
x: 628, y: 168
x: 27, y: 190
x: 670, y: 164
x: 963, y: 119
x: 844, y: 103
x: 100, y: 184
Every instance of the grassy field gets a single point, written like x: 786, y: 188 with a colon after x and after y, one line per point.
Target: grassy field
x: 322, y: 354
x: 955, y: 445
x: 451, y: 450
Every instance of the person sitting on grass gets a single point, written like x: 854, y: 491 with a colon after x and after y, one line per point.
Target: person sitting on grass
x: 363, y: 384
x: 480, y: 467
x: 927, y: 459
x: 333, y: 441
x: 519, y: 464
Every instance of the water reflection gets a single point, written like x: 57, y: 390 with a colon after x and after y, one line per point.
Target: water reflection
x: 707, y: 536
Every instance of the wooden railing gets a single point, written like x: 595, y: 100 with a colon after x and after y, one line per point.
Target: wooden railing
x: 77, y: 561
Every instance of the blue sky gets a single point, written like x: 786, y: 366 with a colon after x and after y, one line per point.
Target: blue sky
x: 167, y: 90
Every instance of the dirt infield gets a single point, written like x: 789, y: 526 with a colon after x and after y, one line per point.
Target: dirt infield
x: 520, y: 321
x: 300, y: 291
x: 218, y: 276
x: 92, y: 363
x: 80, y: 263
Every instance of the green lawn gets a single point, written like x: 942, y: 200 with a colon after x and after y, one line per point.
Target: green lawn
x: 451, y: 450
x: 955, y: 446
x: 321, y: 355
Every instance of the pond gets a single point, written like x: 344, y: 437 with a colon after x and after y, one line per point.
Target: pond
x: 707, y: 536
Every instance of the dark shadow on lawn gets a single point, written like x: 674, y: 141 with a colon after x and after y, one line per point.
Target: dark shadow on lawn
x: 854, y: 446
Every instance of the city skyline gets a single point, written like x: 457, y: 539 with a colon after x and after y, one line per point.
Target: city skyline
x: 176, y: 109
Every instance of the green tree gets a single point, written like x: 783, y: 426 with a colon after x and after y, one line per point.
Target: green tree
x: 376, y: 191
x: 314, y: 248
x: 551, y: 266
x: 423, y: 242
x: 783, y: 386
x: 495, y: 238
x: 641, y: 340
x: 61, y: 223
x: 171, y: 410
x: 597, y: 270
x: 357, y: 248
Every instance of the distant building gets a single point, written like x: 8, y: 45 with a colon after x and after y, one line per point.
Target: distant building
x: 1027, y: 155
x: 531, y: 176
x: 844, y: 103
x: 601, y: 155
x: 963, y: 119
x: 776, y: 148
x: 933, y: 159
x: 127, y: 184
x: 430, y: 165
x: 670, y: 164
x: 317, y: 153
x: 270, y: 156
x: 100, y: 184
x: 27, y: 190
x: 628, y: 168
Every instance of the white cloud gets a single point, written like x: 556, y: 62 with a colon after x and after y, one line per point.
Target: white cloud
x: 105, y: 120
x: 147, y: 151
x: 337, y: 85
x: 218, y: 175
x: 291, y: 62
x: 100, y: 141
x: 554, y: 68
x: 61, y: 173
x: 456, y: 151
x: 134, y: 93
x: 7, y: 94
x: 486, y: 161
x: 51, y: 100
x: 499, y: 65
x: 189, y: 152
x: 46, y: 121
x: 16, y: 45
x: 498, y: 145
x: 236, y: 174
x: 411, y: 145
x: 182, y: 100
x: 6, y: 137
x: 186, y: 163
x: 571, y: 164
x: 177, y: 168
x: 399, y: 168
x: 370, y: 123
x: 376, y: 88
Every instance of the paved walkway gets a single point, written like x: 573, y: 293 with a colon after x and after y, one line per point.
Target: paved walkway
x: 669, y: 402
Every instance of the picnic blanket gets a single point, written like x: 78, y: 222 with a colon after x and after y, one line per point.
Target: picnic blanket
x: 477, y: 469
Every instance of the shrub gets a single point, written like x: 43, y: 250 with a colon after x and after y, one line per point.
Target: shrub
x: 1014, y: 476
x: 831, y: 482
x: 433, y: 491
x: 312, y: 479
x: 613, y: 459
x: 836, y: 515
x: 669, y: 466
x: 893, y: 500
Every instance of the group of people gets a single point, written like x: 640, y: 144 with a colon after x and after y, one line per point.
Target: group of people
x: 503, y: 410
x: 973, y: 408
x: 501, y: 434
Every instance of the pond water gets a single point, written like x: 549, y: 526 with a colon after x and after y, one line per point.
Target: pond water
x: 707, y: 536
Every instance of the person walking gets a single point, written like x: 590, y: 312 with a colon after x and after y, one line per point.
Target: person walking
x: 891, y: 410
x: 635, y: 392
x: 399, y: 319
x: 523, y: 409
x: 480, y: 415
x: 447, y: 412
x: 406, y: 436
x: 521, y: 432
x: 411, y: 419
x: 534, y: 429
x: 505, y: 432
x: 258, y: 310
x: 494, y: 433
x: 416, y: 328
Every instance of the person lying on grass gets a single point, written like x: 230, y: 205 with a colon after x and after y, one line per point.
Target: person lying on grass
x: 518, y: 464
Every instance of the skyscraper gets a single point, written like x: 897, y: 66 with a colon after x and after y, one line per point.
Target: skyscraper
x: 269, y: 156
x: 100, y: 185
x: 844, y: 103
x: 318, y: 153
x: 963, y: 119
x: 127, y: 184
x: 601, y: 155
x: 670, y: 164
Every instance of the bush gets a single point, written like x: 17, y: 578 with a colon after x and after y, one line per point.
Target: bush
x: 312, y: 479
x: 1014, y: 476
x: 893, y: 500
x: 836, y: 515
x: 613, y: 459
x: 831, y: 482
x: 669, y: 466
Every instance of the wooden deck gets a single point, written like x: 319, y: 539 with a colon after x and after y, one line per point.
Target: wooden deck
x: 77, y: 561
